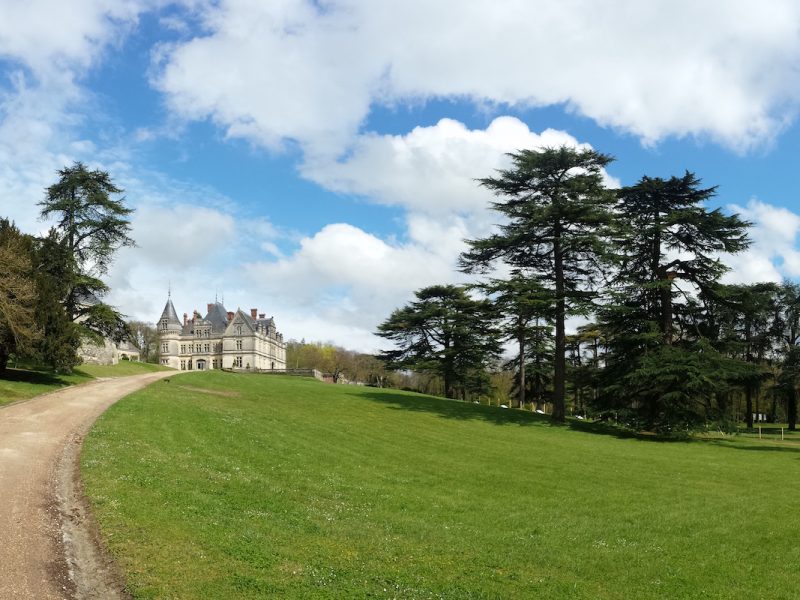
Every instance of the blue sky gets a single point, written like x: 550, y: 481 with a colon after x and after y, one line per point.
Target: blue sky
x: 316, y: 159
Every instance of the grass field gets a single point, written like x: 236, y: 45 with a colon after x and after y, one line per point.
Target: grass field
x: 20, y: 384
x: 121, y: 369
x: 219, y: 486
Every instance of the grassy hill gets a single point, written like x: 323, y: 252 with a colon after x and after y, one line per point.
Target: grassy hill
x: 217, y: 485
x: 20, y: 384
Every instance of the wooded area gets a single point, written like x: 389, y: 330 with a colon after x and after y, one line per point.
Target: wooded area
x: 662, y: 345
x: 50, y: 286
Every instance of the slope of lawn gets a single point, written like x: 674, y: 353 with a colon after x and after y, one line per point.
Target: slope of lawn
x: 121, y: 369
x: 217, y: 485
x: 20, y: 384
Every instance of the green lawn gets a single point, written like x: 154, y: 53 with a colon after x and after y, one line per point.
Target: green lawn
x: 217, y: 485
x: 20, y: 384
x: 122, y: 369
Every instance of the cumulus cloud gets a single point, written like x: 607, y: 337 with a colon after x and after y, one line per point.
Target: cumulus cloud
x: 45, y: 49
x: 48, y: 37
x: 309, y: 71
x: 773, y: 254
x: 431, y: 169
x: 353, y: 275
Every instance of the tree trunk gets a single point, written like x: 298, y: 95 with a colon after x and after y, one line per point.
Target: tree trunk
x: 448, y: 384
x: 666, y: 309
x: 596, y: 365
x: 559, y: 360
x: 749, y: 401
x: 522, y: 371
x: 791, y: 409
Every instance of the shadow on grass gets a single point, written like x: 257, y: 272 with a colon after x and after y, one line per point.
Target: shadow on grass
x: 755, y: 446
x: 40, y: 377
x: 466, y: 411
x: 454, y: 409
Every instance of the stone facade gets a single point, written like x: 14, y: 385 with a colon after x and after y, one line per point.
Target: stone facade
x: 93, y: 353
x: 220, y: 340
x: 107, y: 352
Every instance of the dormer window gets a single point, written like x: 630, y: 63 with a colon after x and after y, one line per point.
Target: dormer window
x: 238, y: 330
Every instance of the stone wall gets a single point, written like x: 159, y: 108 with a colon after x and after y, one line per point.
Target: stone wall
x: 98, y: 354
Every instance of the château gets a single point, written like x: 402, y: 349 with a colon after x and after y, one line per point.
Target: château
x: 221, y: 340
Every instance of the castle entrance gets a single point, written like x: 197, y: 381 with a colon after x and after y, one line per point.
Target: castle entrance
x: 201, y: 365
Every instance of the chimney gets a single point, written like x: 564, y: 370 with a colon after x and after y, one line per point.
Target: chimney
x: 185, y: 319
x: 254, y: 312
x: 230, y: 316
x: 261, y: 315
x: 209, y: 305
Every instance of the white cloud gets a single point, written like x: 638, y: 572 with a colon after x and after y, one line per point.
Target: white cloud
x: 342, y: 281
x: 304, y: 71
x: 431, y: 169
x: 46, y: 47
x: 49, y: 36
x: 774, y: 253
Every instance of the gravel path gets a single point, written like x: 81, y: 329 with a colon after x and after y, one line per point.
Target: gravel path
x: 48, y: 543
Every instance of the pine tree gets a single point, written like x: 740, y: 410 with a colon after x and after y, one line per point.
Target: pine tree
x: 556, y: 212
x: 523, y: 306
x: 19, y: 331
x: 91, y: 226
x: 667, y: 244
x: 447, y: 333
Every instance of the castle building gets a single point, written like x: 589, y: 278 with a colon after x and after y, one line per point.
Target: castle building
x: 220, y: 340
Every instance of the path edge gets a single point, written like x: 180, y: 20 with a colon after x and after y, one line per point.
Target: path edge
x: 91, y: 569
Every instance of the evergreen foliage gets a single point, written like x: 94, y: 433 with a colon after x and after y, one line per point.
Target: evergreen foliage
x: 667, y: 244
x: 556, y: 215
x: 50, y: 287
x: 19, y: 330
x: 91, y: 227
x: 525, y: 317
x: 447, y: 333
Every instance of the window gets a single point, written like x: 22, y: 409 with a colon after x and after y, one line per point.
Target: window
x: 183, y: 348
x: 189, y: 364
x: 208, y: 347
x: 165, y: 347
x: 238, y: 330
x: 237, y: 362
x: 238, y: 344
x: 183, y: 365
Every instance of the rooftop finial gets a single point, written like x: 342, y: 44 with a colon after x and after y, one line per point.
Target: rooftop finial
x: 169, y: 289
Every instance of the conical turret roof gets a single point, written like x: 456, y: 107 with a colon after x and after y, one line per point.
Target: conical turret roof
x: 169, y: 314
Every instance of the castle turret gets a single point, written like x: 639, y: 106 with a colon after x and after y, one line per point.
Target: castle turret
x: 169, y: 330
x: 169, y: 319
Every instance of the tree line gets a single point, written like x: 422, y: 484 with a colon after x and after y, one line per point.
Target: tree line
x: 663, y: 344
x: 51, y: 287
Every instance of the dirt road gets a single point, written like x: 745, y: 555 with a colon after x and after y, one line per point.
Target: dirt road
x: 47, y: 545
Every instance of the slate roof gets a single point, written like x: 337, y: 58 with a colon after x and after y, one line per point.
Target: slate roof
x: 218, y: 317
x: 169, y: 313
